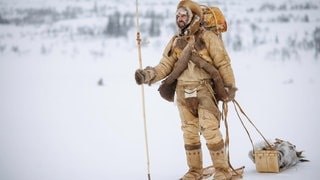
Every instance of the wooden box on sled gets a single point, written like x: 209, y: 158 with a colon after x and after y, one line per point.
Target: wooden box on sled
x: 267, y: 161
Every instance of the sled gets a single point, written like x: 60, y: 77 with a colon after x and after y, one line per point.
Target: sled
x: 209, y: 171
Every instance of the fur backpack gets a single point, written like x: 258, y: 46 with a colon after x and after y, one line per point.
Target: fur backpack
x: 213, y: 19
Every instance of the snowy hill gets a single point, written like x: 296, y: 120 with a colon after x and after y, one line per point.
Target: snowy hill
x: 70, y: 108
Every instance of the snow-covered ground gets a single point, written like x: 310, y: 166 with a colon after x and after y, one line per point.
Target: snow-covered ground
x: 58, y: 123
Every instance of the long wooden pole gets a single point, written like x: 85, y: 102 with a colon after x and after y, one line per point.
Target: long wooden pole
x: 142, y: 92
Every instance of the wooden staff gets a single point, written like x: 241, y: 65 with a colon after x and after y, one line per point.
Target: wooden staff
x: 142, y: 92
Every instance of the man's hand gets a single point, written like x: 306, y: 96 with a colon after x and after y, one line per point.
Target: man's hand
x: 145, y: 76
x: 140, y: 76
x: 231, y: 91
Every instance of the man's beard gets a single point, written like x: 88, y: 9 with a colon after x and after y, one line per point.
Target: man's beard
x: 181, y: 24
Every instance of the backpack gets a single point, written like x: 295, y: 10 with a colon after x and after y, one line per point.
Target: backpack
x: 213, y: 19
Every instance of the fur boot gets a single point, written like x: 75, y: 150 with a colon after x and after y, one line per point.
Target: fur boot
x: 220, y: 161
x: 194, y: 160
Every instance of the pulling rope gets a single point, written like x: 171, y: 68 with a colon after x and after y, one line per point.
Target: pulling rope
x: 142, y: 92
x: 227, y: 140
x: 237, y: 107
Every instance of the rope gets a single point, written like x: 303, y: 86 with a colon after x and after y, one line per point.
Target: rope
x: 236, y: 104
x: 227, y: 140
x: 142, y: 92
x: 243, y: 125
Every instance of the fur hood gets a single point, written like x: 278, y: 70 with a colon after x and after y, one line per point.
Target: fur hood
x: 195, y: 20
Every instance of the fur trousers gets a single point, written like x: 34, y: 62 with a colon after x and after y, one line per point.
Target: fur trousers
x: 199, y: 114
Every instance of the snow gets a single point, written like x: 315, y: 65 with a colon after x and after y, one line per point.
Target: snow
x: 57, y: 123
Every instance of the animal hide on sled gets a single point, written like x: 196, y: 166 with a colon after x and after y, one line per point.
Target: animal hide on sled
x: 287, y: 153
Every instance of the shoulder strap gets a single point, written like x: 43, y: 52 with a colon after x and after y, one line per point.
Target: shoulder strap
x: 214, y: 73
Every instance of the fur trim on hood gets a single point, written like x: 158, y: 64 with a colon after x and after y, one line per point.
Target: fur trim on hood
x: 195, y: 20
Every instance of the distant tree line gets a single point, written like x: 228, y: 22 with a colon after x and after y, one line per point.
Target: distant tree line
x: 36, y: 16
x: 120, y: 24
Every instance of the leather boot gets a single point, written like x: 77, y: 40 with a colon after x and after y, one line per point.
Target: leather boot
x: 194, y: 160
x: 220, y: 161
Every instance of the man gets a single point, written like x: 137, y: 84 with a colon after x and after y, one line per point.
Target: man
x: 193, y: 85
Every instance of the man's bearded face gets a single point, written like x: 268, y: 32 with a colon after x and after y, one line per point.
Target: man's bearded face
x: 182, y: 17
